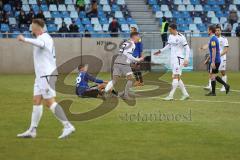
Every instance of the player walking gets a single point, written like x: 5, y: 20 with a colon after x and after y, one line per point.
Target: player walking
x: 177, y: 43
x: 224, y: 47
x: 215, y: 60
x: 44, y: 86
x: 122, y: 67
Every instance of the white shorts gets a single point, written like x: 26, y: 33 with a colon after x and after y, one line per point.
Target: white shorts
x: 223, y: 65
x: 45, y: 87
x: 177, y: 66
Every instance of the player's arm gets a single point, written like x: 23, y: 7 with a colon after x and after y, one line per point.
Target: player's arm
x: 128, y: 52
x: 93, y: 79
x: 214, y: 52
x: 186, y: 59
x: 36, y: 42
x: 207, y: 60
x: 167, y: 47
x: 226, y: 48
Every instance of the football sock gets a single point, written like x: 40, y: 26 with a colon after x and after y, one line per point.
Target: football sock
x: 224, y: 78
x: 136, y: 76
x: 220, y: 81
x: 36, y: 116
x: 209, y: 82
x: 140, y: 77
x: 213, y: 83
x: 174, y: 87
x: 182, y: 87
x: 127, y: 88
x: 59, y: 113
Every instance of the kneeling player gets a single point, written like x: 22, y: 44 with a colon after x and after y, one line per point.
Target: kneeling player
x: 82, y: 88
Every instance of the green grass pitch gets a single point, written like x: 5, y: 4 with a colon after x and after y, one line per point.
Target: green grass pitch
x: 211, y: 130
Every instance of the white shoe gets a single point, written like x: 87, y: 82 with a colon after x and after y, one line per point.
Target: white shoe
x: 223, y: 89
x: 168, y: 98
x: 185, y: 97
x: 66, y: 132
x: 28, y: 134
x: 207, y: 88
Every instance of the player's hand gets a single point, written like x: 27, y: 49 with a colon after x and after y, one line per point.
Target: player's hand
x: 206, y: 61
x: 21, y: 38
x: 185, y: 63
x: 141, y: 59
x: 213, y: 65
x: 157, y: 53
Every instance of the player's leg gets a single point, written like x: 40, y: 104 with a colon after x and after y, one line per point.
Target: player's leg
x: 128, y: 86
x: 36, y: 113
x: 221, y: 81
x: 222, y: 69
x: 175, y: 79
x: 61, y: 116
x: 185, y: 95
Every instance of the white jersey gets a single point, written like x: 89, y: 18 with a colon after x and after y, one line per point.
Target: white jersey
x: 43, y: 55
x: 176, y: 43
x: 125, y: 53
x: 223, y: 42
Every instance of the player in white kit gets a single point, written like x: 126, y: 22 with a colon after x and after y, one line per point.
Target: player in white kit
x: 44, y: 86
x: 177, y: 44
x: 224, y: 47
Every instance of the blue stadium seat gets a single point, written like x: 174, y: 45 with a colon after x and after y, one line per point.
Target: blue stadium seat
x: 44, y: 7
x: 125, y: 28
x: 53, y: 7
x: 198, y: 8
x: 62, y: 7
x: 86, y: 21
x: 47, y: 14
x: 68, y: 2
x: 159, y: 14
x: 94, y: 21
x: 185, y: 14
x: 73, y: 14
x: 5, y: 28
x: 71, y: 7
x: 212, y: 2
x: 105, y: 27
x: 82, y: 14
x: 131, y: 21
x: 65, y: 14
x: 195, y: 2
x: 118, y: 14
x: 15, y: 34
x: 188, y: 20
x: 190, y: 8
x: 67, y: 20
x: 7, y: 8
x: 122, y: 21
x: 186, y: 2
x: 103, y: 20
x: 89, y: 28
x: 183, y: 27
x: 155, y: 8
x: 202, y: 27
x: 35, y: 8
x: 12, y: 20
x: 52, y: 28
x: 178, y: 2
x: 25, y: 8
x: 32, y: 2
x: 176, y: 14
x: 56, y: 14
x: 115, y: 8
x: 78, y: 21
x: 207, y: 8
x: 197, y: 20
x: 152, y: 2
x: 98, y: 28
x: 180, y: 21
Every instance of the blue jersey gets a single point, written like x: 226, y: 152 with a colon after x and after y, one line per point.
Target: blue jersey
x: 82, y: 82
x: 138, y: 50
x: 214, y: 43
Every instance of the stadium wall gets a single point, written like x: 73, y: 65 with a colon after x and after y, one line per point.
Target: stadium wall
x: 17, y: 58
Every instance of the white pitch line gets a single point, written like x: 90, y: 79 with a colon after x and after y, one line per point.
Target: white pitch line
x: 196, y: 86
x: 196, y: 100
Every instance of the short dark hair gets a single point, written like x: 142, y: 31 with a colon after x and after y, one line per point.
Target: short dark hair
x: 218, y: 26
x: 164, y: 19
x: 80, y: 66
x: 39, y: 22
x: 134, y: 34
x: 173, y: 26
x: 212, y: 28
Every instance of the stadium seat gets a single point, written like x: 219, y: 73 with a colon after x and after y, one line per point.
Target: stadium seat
x: 47, y: 14
x: 215, y: 20
x: 73, y: 14
x: 105, y: 27
x: 58, y: 21
x: 193, y: 27
x: 168, y: 14
x: 12, y: 20
x: 7, y: 8
x: 178, y: 2
x: 199, y: 8
x: 68, y: 2
x: 98, y: 28
x: 131, y: 21
x: 164, y: 8
x: 122, y: 2
x: 32, y: 2
x: 25, y: 8
x: 62, y: 7
x: 118, y: 14
x: 106, y: 8
x: 68, y: 21
x: 103, y: 2
x: 159, y: 14
x: 236, y: 2
x: 186, y: 2
x: 232, y: 7
x: 65, y: 14
x: 155, y: 8
x: 56, y: 14
x: 197, y: 20
x: 86, y: 21
x: 53, y: 7
x: 94, y: 21
x: 71, y: 7
x: 5, y: 28
x: 195, y: 2
x: 190, y: 8
x: 103, y: 20
x: 82, y: 14
x: 52, y: 28
x: 211, y: 14
x: 125, y: 28
x: 24, y: 1
x: 44, y: 7
x: 223, y: 20
x: 181, y: 8
x: 152, y: 2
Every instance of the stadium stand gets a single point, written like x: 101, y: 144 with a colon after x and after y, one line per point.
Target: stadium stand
x: 190, y: 15
x: 195, y: 15
x: 57, y: 11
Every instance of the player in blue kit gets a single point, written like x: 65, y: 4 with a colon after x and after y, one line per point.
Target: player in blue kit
x: 215, y: 60
x: 136, y: 68
x: 83, y: 89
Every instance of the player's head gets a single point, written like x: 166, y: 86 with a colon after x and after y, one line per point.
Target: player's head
x: 172, y: 28
x: 135, y: 37
x: 211, y: 29
x: 133, y: 29
x: 83, y: 67
x: 37, y: 26
x: 218, y: 31
x: 164, y: 19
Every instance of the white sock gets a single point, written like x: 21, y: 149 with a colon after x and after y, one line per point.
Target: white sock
x: 182, y: 87
x: 36, y: 116
x: 60, y: 115
x: 224, y: 78
x: 210, y: 82
x: 174, y: 87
